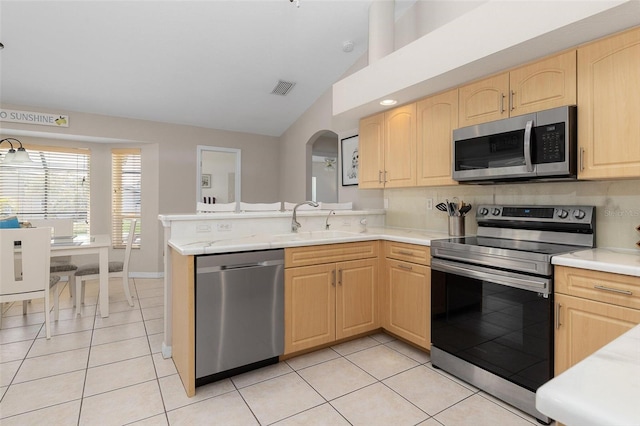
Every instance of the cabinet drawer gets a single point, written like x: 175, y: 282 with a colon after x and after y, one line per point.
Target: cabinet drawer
x: 408, y: 252
x: 329, y: 253
x: 617, y: 289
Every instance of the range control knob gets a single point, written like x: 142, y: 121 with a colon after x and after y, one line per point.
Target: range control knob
x: 562, y: 214
x: 483, y: 211
x: 495, y: 212
x: 579, y: 214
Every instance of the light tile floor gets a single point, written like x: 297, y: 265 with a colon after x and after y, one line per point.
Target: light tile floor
x: 103, y: 371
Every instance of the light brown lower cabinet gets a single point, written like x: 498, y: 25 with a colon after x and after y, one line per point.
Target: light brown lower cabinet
x: 592, y: 309
x: 407, y: 293
x: 328, y: 302
x: 584, y: 326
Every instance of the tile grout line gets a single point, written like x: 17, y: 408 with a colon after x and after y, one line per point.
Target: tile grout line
x: 86, y: 371
x: 155, y: 369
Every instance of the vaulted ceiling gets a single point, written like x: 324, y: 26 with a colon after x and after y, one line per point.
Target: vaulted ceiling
x: 203, y: 63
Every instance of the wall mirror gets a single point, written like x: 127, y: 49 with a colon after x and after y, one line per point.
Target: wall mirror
x: 324, y: 168
x: 219, y: 174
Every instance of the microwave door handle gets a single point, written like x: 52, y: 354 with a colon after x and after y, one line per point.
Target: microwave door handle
x: 527, y: 145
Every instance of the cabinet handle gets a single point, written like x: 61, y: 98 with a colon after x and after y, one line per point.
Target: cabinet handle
x: 340, y: 276
x: 581, y: 160
x: 408, y: 268
x: 385, y: 176
x: 406, y: 253
x: 613, y: 290
x: 379, y: 176
x: 333, y: 278
x: 502, y: 103
x: 558, y: 306
x: 512, y: 102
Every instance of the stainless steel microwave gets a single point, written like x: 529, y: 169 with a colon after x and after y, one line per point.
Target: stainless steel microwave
x: 540, y: 145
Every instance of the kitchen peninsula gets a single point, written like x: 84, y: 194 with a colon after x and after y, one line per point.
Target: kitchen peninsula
x: 352, y: 235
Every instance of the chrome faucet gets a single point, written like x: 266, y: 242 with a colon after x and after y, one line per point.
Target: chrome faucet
x: 294, y: 223
x: 326, y: 224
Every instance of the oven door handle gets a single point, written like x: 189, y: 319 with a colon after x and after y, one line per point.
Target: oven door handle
x: 523, y: 282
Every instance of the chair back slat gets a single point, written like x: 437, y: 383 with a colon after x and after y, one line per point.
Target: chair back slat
x: 61, y: 227
x: 24, y: 269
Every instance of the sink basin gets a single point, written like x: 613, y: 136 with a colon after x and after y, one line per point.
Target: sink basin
x: 313, y: 235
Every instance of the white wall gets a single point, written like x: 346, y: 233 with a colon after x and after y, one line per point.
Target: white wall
x: 168, y: 168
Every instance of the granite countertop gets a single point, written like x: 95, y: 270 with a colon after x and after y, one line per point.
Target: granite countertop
x: 195, y: 246
x: 617, y: 261
x: 602, y: 389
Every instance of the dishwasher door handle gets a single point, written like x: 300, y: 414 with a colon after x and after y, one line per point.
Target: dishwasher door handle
x: 242, y: 266
x: 209, y: 269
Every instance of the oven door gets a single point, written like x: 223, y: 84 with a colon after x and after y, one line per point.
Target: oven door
x: 497, y: 320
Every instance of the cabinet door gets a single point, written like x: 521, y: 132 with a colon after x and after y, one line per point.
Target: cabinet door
x: 371, y: 152
x: 609, y: 107
x: 545, y: 84
x: 437, y: 116
x: 408, y: 301
x: 309, y: 307
x: 483, y: 101
x: 400, y: 147
x: 584, y: 326
x: 356, y: 297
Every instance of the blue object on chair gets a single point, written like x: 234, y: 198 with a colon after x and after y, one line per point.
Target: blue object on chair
x: 9, y: 222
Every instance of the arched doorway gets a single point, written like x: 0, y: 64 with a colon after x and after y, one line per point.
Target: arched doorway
x: 322, y: 167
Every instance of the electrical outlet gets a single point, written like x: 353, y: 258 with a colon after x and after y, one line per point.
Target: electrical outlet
x: 203, y: 228
x: 386, y: 203
x: 224, y: 227
x: 429, y: 203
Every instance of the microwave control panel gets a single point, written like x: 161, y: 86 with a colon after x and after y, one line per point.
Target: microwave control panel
x: 550, y: 143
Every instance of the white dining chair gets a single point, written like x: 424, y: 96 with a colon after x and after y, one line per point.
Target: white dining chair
x: 26, y: 276
x: 260, y: 207
x: 215, y: 208
x: 61, y: 267
x: 289, y: 206
x: 117, y: 269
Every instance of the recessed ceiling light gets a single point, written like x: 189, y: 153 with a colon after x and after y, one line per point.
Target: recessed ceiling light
x: 388, y: 102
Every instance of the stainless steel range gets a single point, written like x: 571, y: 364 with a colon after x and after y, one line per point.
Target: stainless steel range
x: 492, y: 297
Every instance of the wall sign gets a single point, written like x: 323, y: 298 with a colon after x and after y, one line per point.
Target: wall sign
x: 28, y: 117
x: 349, y: 158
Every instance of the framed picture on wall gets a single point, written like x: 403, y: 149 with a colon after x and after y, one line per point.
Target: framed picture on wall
x: 349, y: 159
x: 206, y: 181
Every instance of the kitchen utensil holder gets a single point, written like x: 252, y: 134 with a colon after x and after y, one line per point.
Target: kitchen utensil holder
x: 456, y: 226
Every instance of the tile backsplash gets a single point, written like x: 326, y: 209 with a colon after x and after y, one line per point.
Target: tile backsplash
x: 617, y: 205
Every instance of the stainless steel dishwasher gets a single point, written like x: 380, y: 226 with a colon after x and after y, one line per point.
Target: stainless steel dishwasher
x: 239, y: 311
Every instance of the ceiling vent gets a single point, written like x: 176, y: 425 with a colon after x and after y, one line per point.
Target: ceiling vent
x: 282, y: 88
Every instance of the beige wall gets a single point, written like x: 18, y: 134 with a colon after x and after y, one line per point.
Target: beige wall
x: 168, y: 167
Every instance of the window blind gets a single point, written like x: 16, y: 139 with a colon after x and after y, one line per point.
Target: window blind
x: 126, y: 174
x: 55, y: 186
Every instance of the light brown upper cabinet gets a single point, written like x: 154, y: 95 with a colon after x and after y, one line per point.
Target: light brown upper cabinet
x: 609, y: 107
x: 437, y: 117
x: 371, y: 152
x: 544, y: 84
x: 388, y: 149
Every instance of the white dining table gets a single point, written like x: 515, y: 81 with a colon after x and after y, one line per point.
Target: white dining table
x: 85, y: 244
